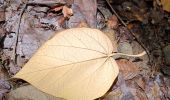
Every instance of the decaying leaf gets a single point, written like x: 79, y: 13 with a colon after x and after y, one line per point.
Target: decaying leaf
x: 67, y: 12
x: 74, y: 64
x: 114, y: 95
x: 141, y: 82
x: 155, y: 91
x: 4, y: 88
x: 127, y: 69
x: 112, y: 22
x: 166, y: 5
x: 23, y: 93
x: 112, y: 36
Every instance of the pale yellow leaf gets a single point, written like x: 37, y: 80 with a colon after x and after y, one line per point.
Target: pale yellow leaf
x: 74, y: 64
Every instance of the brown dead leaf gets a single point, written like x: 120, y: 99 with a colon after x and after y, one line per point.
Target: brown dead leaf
x: 139, y: 17
x: 67, y: 12
x: 57, y: 8
x: 74, y: 64
x: 166, y: 5
x: 112, y: 22
x: 127, y: 68
x: 141, y: 82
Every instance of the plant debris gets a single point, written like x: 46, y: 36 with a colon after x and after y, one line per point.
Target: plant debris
x: 132, y: 26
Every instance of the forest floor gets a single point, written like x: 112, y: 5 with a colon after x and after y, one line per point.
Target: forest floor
x: 134, y: 25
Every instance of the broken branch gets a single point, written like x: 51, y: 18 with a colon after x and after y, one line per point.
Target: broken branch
x: 14, y: 54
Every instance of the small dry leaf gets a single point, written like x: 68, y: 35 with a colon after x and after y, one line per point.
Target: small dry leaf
x: 74, y: 64
x: 112, y: 22
x: 57, y: 8
x: 67, y: 12
x: 166, y: 5
x: 128, y: 69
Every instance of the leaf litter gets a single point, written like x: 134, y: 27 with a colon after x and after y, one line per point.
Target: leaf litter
x: 136, y: 80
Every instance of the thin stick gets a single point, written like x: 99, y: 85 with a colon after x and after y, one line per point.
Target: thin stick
x: 135, y: 38
x: 116, y: 13
x: 45, y: 4
x: 14, y: 54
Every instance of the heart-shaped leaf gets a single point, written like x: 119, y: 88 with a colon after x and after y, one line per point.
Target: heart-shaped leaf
x: 75, y: 64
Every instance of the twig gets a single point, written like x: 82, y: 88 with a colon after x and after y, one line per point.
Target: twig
x: 14, y: 54
x: 116, y: 13
x: 45, y: 4
x: 135, y: 38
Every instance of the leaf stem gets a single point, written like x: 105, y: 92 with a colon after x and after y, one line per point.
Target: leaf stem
x: 129, y: 55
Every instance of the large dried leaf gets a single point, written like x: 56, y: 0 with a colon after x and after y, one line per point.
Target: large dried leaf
x: 74, y: 64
